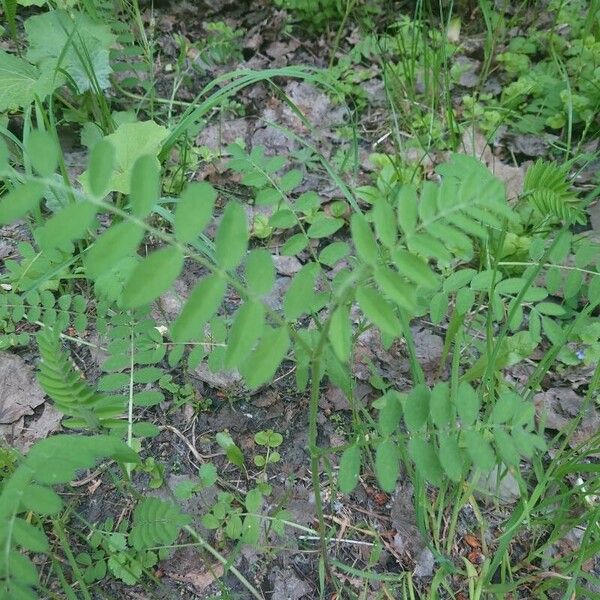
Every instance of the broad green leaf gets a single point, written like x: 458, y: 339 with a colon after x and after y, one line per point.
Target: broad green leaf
x: 385, y: 222
x: 156, y: 523
x: 340, y: 333
x: 152, y: 277
x: 450, y: 456
x: 458, y: 280
x: 266, y: 358
x: 440, y: 406
x: 71, y: 42
x: 425, y: 459
x: 364, y: 240
x: 145, y: 184
x: 260, y: 272
x: 294, y: 245
x: 41, y: 499
x: 299, y: 295
x: 390, y: 412
x: 247, y: 326
x: 396, y: 288
x: 407, y: 209
x: 130, y: 141
x: 194, y: 210
x: 100, y: 167
x: 523, y: 441
x: 202, y: 304
x: 43, y: 152
x: 232, y: 451
x: 231, y: 240
x: 378, y: 311
x: 118, y: 242
x: 415, y: 269
x: 479, y: 450
x: 349, y: 470
x: 387, y: 465
x: 416, y: 407
x: 21, y: 82
x: 17, y: 203
x: 467, y: 403
x: 506, y: 447
x: 68, y: 224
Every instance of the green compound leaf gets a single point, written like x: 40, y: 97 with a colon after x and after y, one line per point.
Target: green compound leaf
x: 194, y: 211
x: 299, y: 296
x: 416, y: 407
x: 156, y: 523
x: 231, y: 240
x: 479, y: 450
x: 349, y: 470
x: 467, y: 403
x: 202, y: 304
x: 152, y: 277
x: 451, y: 457
x: 68, y: 224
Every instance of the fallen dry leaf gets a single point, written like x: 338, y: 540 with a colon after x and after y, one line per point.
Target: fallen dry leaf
x: 20, y: 392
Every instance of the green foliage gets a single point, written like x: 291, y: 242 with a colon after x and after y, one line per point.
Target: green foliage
x: 49, y: 463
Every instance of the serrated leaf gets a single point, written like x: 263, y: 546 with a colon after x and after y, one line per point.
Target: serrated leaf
x: 264, y: 361
x: 194, y: 210
x: 479, y: 450
x: 450, y: 456
x: 364, y: 240
x: 387, y: 465
x: 145, y: 181
x: 416, y: 407
x: 202, y: 304
x: 100, y: 167
x: 378, y: 311
x: 247, y: 326
x: 340, y: 333
x: 260, y: 272
x: 152, y: 277
x: 21, y: 82
x: 425, y: 459
x: 231, y: 240
x: 349, y: 470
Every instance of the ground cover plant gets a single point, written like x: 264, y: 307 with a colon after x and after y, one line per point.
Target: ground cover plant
x: 299, y: 300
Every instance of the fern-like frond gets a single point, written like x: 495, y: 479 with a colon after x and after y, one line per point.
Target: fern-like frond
x: 69, y: 389
x: 548, y: 189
